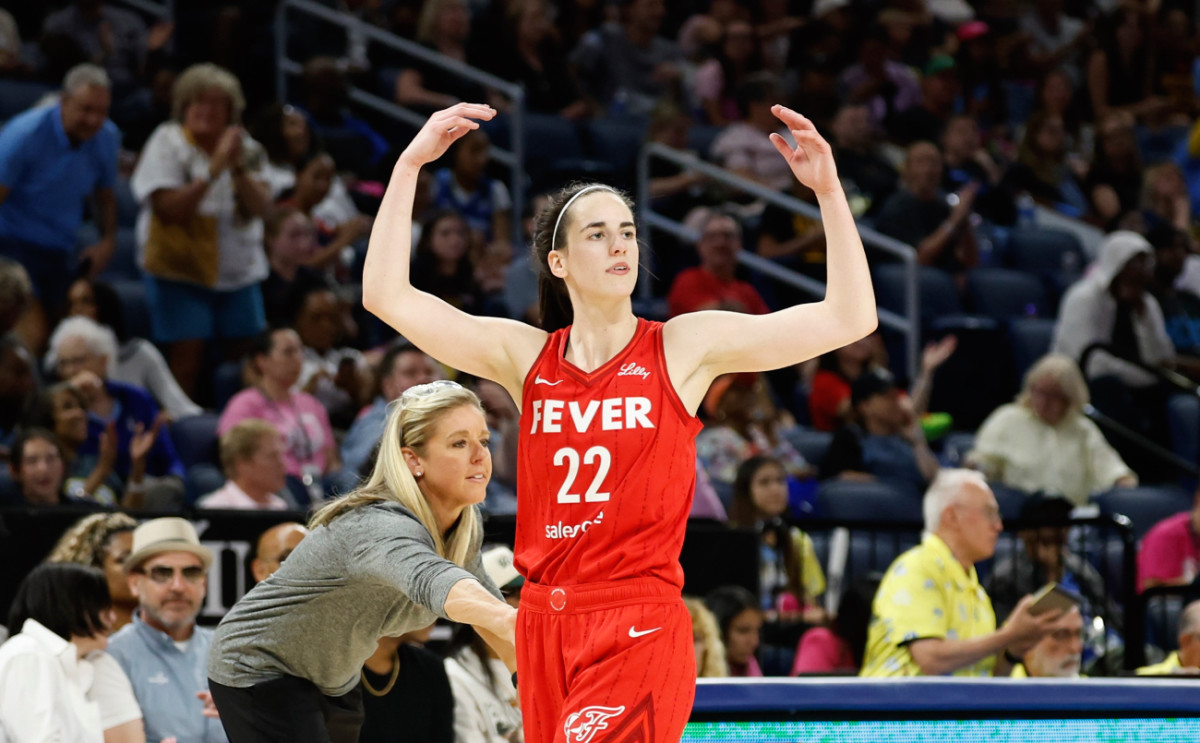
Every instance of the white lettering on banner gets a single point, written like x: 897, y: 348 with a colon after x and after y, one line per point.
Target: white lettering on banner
x: 615, y: 414
x: 633, y: 370
x: 570, y: 531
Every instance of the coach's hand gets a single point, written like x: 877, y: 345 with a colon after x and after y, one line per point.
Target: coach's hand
x: 443, y: 129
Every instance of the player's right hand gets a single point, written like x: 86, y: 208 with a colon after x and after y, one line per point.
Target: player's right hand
x: 443, y: 129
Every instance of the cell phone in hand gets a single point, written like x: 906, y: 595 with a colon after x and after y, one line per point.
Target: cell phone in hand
x: 1053, y: 597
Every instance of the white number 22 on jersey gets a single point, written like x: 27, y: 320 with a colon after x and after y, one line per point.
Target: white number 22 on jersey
x: 571, y: 459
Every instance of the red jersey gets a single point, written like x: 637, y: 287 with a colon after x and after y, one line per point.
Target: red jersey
x: 606, y: 467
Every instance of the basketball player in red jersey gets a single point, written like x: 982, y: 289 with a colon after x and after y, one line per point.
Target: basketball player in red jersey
x: 606, y: 457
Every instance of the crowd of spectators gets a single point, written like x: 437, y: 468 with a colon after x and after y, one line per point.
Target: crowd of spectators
x: 178, y: 247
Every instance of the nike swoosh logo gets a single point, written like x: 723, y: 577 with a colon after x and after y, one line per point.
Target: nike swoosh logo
x: 539, y: 380
x: 639, y: 633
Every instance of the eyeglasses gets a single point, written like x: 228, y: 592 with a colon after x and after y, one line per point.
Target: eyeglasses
x: 162, y: 575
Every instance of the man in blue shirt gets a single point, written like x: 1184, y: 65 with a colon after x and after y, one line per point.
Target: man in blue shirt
x: 163, y: 652
x: 51, y: 160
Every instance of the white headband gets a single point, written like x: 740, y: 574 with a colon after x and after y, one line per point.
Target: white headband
x: 566, y: 206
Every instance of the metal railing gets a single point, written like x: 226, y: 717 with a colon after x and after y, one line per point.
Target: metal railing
x: 513, y: 157
x: 909, y: 323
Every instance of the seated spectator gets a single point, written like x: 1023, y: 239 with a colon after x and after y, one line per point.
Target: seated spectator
x: 403, y: 366
x: 465, y: 187
x: 713, y: 284
x: 406, y: 688
x: 1114, y: 178
x: 52, y: 158
x: 951, y: 629
x: 839, y: 648
x: 16, y: 294
x: 1059, y: 654
x: 745, y: 423
x: 1186, y: 660
x: 793, y: 240
x: 886, y: 87
x: 504, y: 430
x: 199, y: 183
x: 926, y: 121
x: 1180, y: 307
x: 352, y: 141
x: 744, y: 146
x: 163, y: 651
x: 18, y: 388
x: 80, y: 351
x: 1043, y: 442
x: 338, y: 227
x: 1048, y: 560
x: 738, y: 55
x: 1044, y: 169
x: 89, y: 477
x: 884, y: 441
x: 138, y: 362
x: 310, y: 448
x: 103, y: 540
x: 442, y: 264
x: 36, y: 467
x: 860, y: 160
x: 252, y: 457
x: 740, y: 620
x: 445, y: 27
x: 627, y: 67
x: 48, y: 685
x: 829, y: 393
x: 486, y: 707
x: 1121, y: 68
x: 288, y: 141
x: 1111, y: 306
x: 706, y: 503
x: 791, y: 581
x: 921, y: 215
x: 1165, y: 198
x: 1057, y: 96
x: 333, y: 372
x: 117, y: 39
x: 273, y: 547
x: 1056, y: 41
x: 982, y: 71
x: 291, y: 242
x: 1169, y: 554
x: 532, y: 54
x: 968, y: 161
x: 706, y: 637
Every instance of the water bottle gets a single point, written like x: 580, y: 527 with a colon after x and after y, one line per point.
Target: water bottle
x: 1025, y: 209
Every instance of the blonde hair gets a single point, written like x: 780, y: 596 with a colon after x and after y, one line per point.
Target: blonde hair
x: 203, y: 77
x: 85, y: 542
x: 428, y: 20
x: 410, y: 423
x: 242, y: 441
x: 704, y: 626
x: 1065, y: 372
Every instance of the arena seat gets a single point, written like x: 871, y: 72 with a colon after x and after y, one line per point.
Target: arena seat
x: 201, y: 479
x: 195, y: 438
x: 937, y: 293
x: 134, y: 310
x: 1144, y: 505
x: 227, y: 382
x: 1030, y: 339
x: 1004, y: 293
x: 1183, y: 419
x: 811, y: 443
x: 19, y: 95
x: 849, y: 501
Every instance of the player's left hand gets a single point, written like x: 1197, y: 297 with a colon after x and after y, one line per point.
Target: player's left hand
x: 811, y: 160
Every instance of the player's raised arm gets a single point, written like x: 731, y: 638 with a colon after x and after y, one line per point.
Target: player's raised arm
x: 498, y: 349
x: 722, y: 342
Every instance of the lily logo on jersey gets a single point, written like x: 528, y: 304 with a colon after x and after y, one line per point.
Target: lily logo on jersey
x: 633, y: 370
x: 538, y: 380
x: 583, y: 725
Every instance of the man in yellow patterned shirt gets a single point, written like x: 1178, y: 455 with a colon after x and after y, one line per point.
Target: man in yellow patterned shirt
x: 1185, y: 660
x: 930, y: 616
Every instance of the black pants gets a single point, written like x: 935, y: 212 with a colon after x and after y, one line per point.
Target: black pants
x: 287, y: 710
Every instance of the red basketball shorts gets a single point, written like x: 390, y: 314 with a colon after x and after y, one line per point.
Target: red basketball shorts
x: 605, y: 663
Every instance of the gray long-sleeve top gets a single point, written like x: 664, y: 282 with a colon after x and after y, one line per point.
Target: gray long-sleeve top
x: 369, y: 573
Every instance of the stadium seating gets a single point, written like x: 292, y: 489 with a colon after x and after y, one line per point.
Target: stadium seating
x: 936, y: 291
x: 195, y: 439
x: 1005, y: 293
x: 1144, y: 505
x: 1030, y: 339
x: 849, y: 501
x: 134, y: 310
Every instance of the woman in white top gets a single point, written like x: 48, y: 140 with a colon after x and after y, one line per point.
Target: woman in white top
x: 1044, y: 443
x: 46, y: 678
x: 202, y: 194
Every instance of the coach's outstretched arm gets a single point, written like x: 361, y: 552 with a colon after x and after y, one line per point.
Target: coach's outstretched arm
x: 470, y: 603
